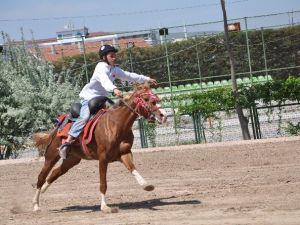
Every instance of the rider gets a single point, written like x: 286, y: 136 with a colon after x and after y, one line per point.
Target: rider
x: 101, y: 84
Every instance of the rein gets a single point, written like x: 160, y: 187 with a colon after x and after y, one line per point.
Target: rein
x: 128, y: 106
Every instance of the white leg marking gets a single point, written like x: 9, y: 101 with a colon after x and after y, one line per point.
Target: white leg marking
x: 103, y: 203
x: 105, y: 208
x: 45, y: 186
x: 139, y: 178
x: 36, y: 201
x: 141, y: 181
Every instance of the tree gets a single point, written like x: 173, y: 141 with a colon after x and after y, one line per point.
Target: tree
x: 243, y: 120
x: 31, y: 94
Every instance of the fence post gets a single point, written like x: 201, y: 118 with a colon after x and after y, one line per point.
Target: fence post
x: 255, y: 122
x: 130, y: 45
x: 84, y: 57
x: 291, y: 17
x: 199, y: 133
x: 144, y: 143
x: 248, y: 50
x: 199, y: 67
x: 264, y: 51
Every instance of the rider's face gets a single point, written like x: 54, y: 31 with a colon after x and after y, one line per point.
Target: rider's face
x: 111, y: 58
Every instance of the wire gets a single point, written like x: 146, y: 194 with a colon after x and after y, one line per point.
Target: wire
x: 201, y: 42
x: 121, y: 13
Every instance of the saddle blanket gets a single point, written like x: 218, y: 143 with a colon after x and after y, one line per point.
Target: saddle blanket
x: 64, y: 125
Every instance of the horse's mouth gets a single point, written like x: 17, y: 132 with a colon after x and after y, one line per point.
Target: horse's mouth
x: 152, y: 119
x: 160, y: 119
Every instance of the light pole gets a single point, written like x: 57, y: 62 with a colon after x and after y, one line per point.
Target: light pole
x: 164, y: 32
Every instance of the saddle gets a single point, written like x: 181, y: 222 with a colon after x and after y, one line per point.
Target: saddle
x: 97, y: 107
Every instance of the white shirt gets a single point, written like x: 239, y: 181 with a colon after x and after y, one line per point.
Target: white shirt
x: 101, y: 82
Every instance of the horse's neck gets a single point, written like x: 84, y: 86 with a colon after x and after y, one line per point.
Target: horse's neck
x: 125, y: 115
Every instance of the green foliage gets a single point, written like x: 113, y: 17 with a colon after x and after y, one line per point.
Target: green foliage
x: 221, y: 99
x: 282, y: 46
x: 31, y: 94
x: 293, y: 129
x: 276, y: 90
x: 150, y: 129
x: 78, y: 66
x: 206, y: 102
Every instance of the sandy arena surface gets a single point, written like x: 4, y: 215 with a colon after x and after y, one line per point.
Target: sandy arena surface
x: 245, y: 182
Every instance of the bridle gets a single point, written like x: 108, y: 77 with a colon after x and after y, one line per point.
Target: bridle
x: 141, y: 105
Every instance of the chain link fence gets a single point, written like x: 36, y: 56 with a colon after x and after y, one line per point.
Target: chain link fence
x: 269, y: 122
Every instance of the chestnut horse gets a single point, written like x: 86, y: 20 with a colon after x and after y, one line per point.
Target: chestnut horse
x: 112, y: 141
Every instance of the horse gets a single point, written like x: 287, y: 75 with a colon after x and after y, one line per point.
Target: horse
x: 112, y: 141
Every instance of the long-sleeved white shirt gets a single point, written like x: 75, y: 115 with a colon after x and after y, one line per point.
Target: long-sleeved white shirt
x: 101, y: 82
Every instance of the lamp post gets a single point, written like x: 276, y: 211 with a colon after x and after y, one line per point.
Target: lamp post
x: 144, y: 143
x: 164, y: 32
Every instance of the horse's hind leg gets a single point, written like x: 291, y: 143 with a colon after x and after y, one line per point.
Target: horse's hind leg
x: 127, y: 160
x: 66, y: 164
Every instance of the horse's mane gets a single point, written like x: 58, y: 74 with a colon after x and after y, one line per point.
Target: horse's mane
x: 126, y: 98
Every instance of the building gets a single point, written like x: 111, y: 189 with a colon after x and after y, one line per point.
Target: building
x: 71, y: 42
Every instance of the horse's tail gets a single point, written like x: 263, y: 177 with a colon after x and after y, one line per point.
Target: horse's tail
x: 42, y: 140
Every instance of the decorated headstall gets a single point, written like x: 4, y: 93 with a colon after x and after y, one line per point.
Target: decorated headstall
x: 145, y: 103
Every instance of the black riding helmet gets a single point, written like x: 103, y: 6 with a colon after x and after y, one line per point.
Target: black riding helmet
x: 105, y: 49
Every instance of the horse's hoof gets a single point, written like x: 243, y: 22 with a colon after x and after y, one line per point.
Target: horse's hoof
x: 107, y: 209
x: 149, y: 188
x: 36, y: 208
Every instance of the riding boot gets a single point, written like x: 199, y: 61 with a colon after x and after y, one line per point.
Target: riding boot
x: 63, y: 150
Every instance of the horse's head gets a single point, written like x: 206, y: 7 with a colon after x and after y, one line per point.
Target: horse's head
x: 145, y: 103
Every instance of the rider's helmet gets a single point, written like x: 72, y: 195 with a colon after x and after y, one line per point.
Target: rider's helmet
x: 105, y: 49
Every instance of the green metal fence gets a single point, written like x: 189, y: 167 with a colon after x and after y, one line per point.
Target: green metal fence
x: 264, y: 122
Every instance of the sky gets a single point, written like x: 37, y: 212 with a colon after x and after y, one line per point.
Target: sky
x: 43, y: 18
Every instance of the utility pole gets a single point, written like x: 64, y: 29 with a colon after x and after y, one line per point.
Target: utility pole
x: 243, y: 120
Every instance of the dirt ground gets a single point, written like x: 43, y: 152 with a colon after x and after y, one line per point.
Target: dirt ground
x: 245, y: 182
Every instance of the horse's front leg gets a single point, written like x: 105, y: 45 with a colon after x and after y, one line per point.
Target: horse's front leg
x: 127, y: 160
x: 103, y: 186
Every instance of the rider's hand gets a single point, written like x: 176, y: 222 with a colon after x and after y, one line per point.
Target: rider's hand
x: 153, y: 81
x: 118, y: 93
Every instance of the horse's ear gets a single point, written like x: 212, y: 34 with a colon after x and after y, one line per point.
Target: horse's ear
x: 127, y: 97
x: 138, y: 86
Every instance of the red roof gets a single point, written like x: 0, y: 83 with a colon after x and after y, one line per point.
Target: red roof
x: 57, y: 52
